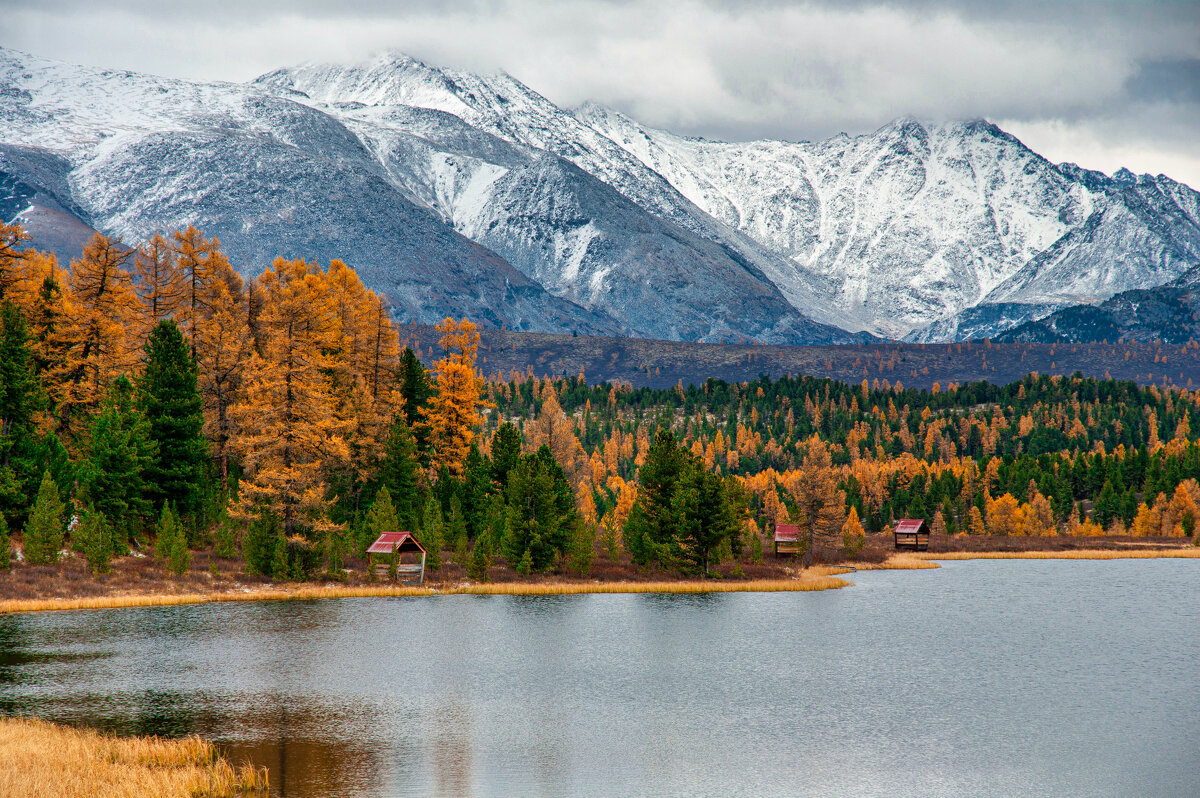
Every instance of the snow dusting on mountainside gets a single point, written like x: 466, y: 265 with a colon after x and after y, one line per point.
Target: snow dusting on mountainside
x: 458, y: 193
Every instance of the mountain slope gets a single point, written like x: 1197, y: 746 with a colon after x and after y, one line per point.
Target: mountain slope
x: 270, y: 176
x: 560, y: 201
x: 915, y: 223
x: 1168, y: 313
x: 132, y: 155
x: 457, y: 193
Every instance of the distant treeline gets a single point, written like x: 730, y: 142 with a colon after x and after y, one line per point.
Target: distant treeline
x: 151, y: 396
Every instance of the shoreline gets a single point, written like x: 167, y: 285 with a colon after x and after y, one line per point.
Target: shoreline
x: 1189, y: 553
x: 822, y: 577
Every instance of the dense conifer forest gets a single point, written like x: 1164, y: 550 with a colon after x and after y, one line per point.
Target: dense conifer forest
x: 155, y: 403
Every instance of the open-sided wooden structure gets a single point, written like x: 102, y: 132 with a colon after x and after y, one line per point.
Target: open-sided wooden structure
x: 409, y: 553
x: 912, y: 534
x: 787, y: 539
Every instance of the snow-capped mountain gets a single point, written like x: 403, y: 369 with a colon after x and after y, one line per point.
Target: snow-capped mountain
x: 458, y: 193
x: 915, y: 223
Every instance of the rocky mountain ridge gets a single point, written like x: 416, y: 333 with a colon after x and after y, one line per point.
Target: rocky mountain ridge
x: 457, y: 193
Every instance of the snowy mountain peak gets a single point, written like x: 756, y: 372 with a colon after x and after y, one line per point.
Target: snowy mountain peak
x: 472, y: 193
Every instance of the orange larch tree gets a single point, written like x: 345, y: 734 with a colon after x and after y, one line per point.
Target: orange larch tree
x: 452, y: 414
x: 157, y: 282
x: 97, y: 345
x: 288, y: 432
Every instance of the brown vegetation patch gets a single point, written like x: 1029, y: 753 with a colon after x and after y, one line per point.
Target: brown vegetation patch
x: 44, y: 759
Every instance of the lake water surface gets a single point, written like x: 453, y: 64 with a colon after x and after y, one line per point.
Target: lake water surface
x: 984, y: 678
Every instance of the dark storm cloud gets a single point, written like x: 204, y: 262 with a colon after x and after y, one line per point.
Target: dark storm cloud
x: 1102, y: 83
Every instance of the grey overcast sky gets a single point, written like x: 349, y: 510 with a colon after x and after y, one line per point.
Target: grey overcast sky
x: 1104, y: 83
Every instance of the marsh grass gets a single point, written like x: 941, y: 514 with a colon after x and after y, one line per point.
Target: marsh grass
x: 44, y: 759
x: 819, y: 578
x: 898, y: 562
x: 814, y: 579
x: 1067, y: 554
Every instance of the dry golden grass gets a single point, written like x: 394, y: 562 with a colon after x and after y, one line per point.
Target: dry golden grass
x: 813, y: 579
x: 898, y: 562
x: 43, y: 759
x: 1070, y: 554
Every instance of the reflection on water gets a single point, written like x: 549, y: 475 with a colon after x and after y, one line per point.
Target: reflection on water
x: 983, y: 678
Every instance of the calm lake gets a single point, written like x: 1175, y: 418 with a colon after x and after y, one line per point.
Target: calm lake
x: 981, y: 678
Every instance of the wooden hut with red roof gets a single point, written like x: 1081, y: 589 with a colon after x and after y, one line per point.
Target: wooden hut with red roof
x: 409, y: 554
x: 787, y: 539
x: 912, y: 534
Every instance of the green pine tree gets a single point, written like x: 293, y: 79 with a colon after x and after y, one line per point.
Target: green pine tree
x: 170, y: 398
x: 477, y: 486
x: 380, y: 518
x: 477, y: 568
x: 171, y: 542
x: 5, y: 545
x: 44, y: 531
x: 399, y: 470
x: 112, y: 478
x: 280, y: 568
x: 583, y: 547
x: 225, y: 542
x: 335, y: 553
x: 415, y: 390
x: 432, y: 533
x: 506, y: 453
x: 457, y: 528
x: 258, y: 548
x: 94, y: 538
x: 20, y: 397
x: 525, y: 566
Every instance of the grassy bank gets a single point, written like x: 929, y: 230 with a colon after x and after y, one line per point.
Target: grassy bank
x: 1068, y: 554
x: 44, y: 759
x: 820, y: 578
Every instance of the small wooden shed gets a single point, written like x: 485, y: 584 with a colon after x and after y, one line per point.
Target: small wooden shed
x: 787, y: 539
x: 912, y: 534
x: 410, y: 556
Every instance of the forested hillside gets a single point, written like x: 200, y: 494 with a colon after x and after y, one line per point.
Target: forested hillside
x: 153, y: 400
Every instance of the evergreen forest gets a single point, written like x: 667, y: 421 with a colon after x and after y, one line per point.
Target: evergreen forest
x: 156, y: 403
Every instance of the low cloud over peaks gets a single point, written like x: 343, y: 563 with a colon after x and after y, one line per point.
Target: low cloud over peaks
x: 1105, y: 84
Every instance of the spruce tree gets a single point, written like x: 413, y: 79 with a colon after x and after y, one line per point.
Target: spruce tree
x: 477, y: 568
x: 399, y: 469
x: 335, y: 553
x: 477, y: 486
x: 415, y: 390
x: 583, y: 547
x: 506, y: 452
x: 94, y: 538
x: 259, y: 545
x: 432, y: 534
x: 280, y: 568
x: 170, y: 398
x: 541, y: 511
x: 225, y: 543
x: 380, y: 518
x: 44, y: 530
x: 171, y: 543
x: 457, y: 532
x: 119, y: 452
x: 20, y: 398
x: 5, y: 545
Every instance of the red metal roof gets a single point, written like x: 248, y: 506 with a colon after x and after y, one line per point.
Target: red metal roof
x: 786, y: 532
x: 907, y: 525
x: 390, y: 541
